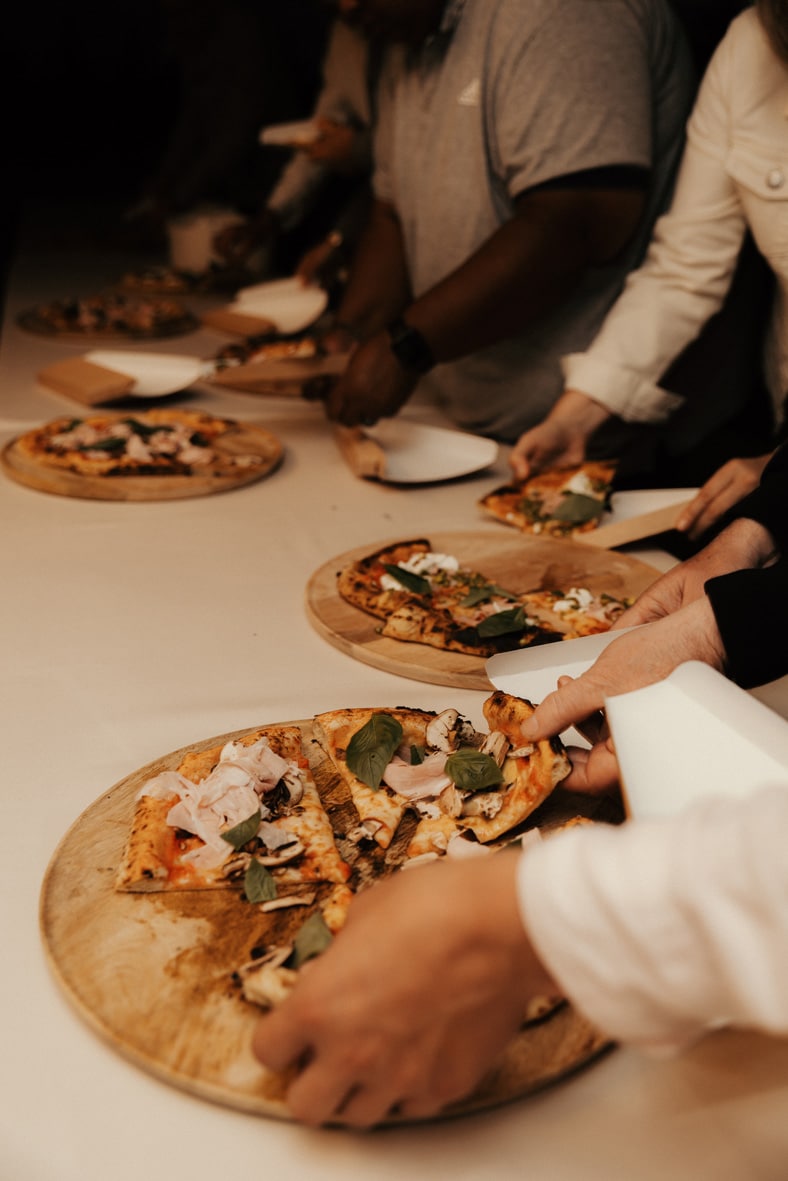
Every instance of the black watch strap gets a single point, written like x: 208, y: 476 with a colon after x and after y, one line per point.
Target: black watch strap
x: 409, y: 347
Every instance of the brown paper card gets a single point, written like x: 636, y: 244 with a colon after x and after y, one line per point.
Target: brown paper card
x: 237, y: 323
x: 85, y: 382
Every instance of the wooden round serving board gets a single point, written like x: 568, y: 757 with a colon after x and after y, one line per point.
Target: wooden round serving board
x: 243, y: 439
x: 152, y: 973
x: 33, y: 323
x: 518, y: 562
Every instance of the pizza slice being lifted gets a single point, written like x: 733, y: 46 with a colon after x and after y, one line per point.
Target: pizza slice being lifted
x: 558, y: 502
x: 460, y: 782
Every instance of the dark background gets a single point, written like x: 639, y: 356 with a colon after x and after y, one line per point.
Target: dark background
x: 91, y: 92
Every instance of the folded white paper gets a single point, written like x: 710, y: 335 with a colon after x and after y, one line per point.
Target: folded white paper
x: 694, y: 734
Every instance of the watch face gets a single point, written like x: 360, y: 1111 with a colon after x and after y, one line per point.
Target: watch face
x: 410, y: 348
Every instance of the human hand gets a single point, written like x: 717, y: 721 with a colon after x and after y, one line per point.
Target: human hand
x: 560, y: 440
x: 744, y: 544
x: 373, y: 386
x: 410, y: 1006
x: 236, y: 242
x: 335, y: 146
x: 729, y: 484
x: 632, y: 661
x: 323, y: 263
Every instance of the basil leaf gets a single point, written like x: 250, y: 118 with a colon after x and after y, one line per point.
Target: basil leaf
x: 142, y: 429
x: 531, y: 509
x: 259, y: 885
x: 473, y: 770
x: 503, y: 622
x: 370, y: 749
x: 313, y: 938
x: 480, y: 593
x: 576, y: 509
x: 412, y: 582
x: 243, y: 832
x: 104, y: 445
x: 416, y: 755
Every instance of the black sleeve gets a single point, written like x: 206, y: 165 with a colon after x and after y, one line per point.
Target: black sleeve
x: 750, y: 608
x: 750, y: 605
x: 768, y: 504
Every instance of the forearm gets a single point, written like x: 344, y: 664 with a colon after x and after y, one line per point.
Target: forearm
x: 660, y: 930
x: 378, y: 288
x: 525, y: 269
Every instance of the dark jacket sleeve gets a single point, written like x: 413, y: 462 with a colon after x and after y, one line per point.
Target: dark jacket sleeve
x: 750, y: 605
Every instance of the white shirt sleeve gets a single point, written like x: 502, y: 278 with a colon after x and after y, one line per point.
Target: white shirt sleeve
x: 660, y: 930
x: 687, y: 271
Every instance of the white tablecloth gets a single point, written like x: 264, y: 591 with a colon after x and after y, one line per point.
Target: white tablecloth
x: 129, y: 630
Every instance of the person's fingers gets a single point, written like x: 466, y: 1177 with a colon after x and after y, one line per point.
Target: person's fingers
x: 594, y: 771
x: 317, y: 389
x: 574, y: 701
x: 716, y: 486
x: 278, y: 1041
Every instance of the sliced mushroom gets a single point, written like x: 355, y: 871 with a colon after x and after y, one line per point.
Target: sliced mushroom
x: 266, y: 982
x: 294, y: 784
x: 287, y: 853
x: 450, y: 801
x: 496, y: 745
x: 522, y: 752
x: 483, y: 803
x: 287, y: 900
x: 363, y: 832
x: 237, y: 864
x: 442, y: 731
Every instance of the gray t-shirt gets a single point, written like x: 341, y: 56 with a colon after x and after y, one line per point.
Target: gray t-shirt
x: 519, y: 93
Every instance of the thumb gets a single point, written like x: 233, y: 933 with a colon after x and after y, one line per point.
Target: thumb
x: 573, y: 701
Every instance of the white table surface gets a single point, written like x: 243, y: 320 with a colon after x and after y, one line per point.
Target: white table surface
x: 129, y: 630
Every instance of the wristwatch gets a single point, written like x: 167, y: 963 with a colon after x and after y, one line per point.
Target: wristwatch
x: 409, y: 347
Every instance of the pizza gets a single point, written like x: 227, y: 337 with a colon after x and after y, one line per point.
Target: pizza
x: 265, y: 347
x: 155, y: 442
x: 246, y: 811
x: 109, y: 315
x: 429, y: 598
x: 167, y: 280
x: 460, y: 783
x: 299, y: 828
x: 558, y: 502
x: 578, y: 610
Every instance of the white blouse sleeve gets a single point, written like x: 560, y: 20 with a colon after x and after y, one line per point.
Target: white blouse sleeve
x: 660, y: 930
x: 686, y: 273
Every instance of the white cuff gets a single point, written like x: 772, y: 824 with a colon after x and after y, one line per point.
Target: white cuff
x: 621, y: 391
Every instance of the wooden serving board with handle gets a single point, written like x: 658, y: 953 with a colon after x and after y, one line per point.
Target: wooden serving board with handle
x: 635, y: 528
x: 518, y: 562
x: 152, y: 974
x: 244, y: 438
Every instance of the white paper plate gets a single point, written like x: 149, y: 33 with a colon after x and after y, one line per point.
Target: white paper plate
x: 418, y: 454
x: 284, y: 134
x: 289, y: 304
x: 155, y: 374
